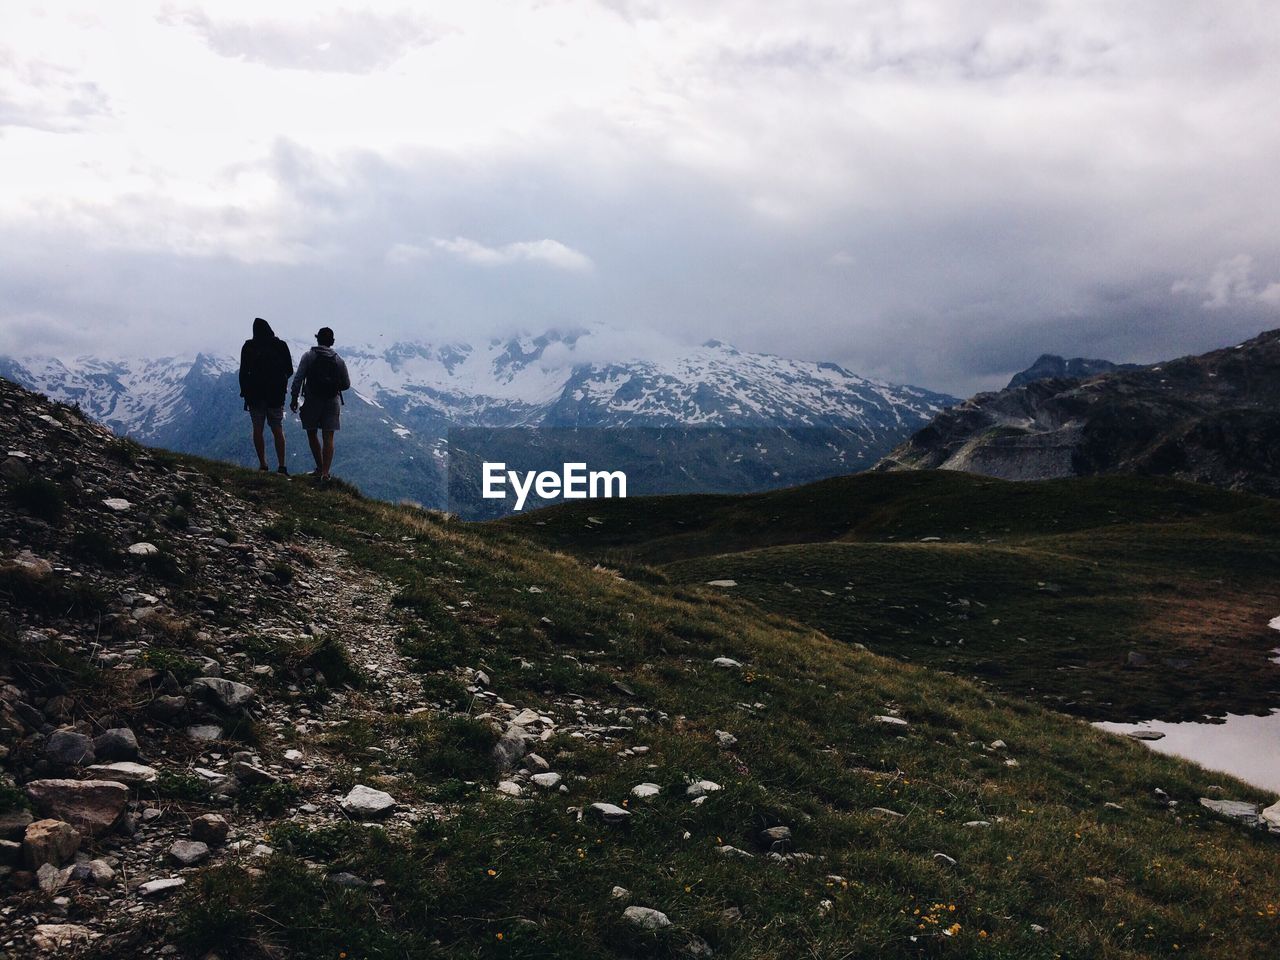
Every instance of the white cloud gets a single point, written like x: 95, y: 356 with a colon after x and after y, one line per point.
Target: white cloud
x: 1231, y: 282
x: 552, y: 253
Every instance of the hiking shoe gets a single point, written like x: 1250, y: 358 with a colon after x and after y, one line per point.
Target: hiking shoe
x: 263, y: 469
x: 283, y: 470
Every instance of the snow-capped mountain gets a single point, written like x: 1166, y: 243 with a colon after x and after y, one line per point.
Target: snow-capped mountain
x: 405, y: 399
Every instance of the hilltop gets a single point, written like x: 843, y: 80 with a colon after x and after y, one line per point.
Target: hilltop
x: 1213, y: 418
x: 264, y: 719
x: 779, y: 421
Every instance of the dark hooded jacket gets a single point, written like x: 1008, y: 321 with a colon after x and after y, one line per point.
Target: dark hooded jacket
x: 265, y: 367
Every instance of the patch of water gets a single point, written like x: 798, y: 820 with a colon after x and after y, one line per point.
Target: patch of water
x: 1247, y: 747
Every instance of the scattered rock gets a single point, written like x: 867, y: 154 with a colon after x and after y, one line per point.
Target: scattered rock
x: 701, y: 788
x: 511, y: 746
x: 886, y: 814
x: 366, y: 803
x: 228, y: 695
x: 977, y: 824
x: 1145, y: 735
x: 647, y: 918
x: 143, y: 549
x: 510, y: 788
x: 161, y: 888
x: 117, y: 504
x: 67, y: 748
x: 49, y: 841
x: 726, y: 663
x: 124, y: 771
x: 944, y: 860
x: 896, y: 723
x: 620, y: 893
x: 547, y: 781
x: 118, y: 743
x: 726, y: 739
x: 609, y: 813
x: 205, y: 731
x: 95, y: 872
x: 91, y: 806
x: 210, y: 829
x: 62, y: 937
x: 252, y: 775
x: 188, y: 853
x: 1247, y: 813
x: 776, y: 838
x: 722, y: 583
x: 536, y: 764
x: 642, y: 791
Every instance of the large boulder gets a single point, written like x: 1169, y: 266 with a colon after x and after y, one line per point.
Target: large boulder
x: 91, y: 806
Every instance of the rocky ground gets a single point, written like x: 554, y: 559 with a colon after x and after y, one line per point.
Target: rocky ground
x: 164, y: 693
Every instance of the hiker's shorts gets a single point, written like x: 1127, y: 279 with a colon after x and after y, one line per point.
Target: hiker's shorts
x: 321, y: 414
x: 271, y: 415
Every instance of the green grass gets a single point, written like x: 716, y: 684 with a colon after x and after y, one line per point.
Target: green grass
x: 1041, y: 589
x: 488, y: 878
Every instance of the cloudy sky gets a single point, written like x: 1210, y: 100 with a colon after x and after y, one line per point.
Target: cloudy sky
x: 929, y: 191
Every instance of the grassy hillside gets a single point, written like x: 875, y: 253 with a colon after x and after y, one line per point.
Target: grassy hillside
x: 927, y: 817
x: 1112, y: 598
x: 1079, y: 842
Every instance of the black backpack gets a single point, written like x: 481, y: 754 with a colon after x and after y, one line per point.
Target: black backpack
x: 324, y: 377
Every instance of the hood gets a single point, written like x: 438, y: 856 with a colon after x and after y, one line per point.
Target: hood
x: 325, y: 351
x: 262, y: 330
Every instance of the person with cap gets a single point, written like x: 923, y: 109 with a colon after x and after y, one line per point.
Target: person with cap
x: 265, y: 367
x: 321, y: 379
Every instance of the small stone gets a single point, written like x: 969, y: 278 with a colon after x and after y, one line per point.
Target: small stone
x: 143, y: 549
x: 510, y: 788
x: 726, y: 663
x: 61, y: 937
x: 722, y: 583
x: 67, y: 748
x: 161, y: 888
x: 188, y: 853
x: 124, y: 771
x: 210, y: 829
x: 725, y: 739
x: 205, y: 731
x: 609, y: 813
x: 227, y: 694
x: 776, y: 838
x: 29, y: 563
x: 888, y: 721
x: 50, y: 878
x: 944, y: 860
x: 117, y: 504
x: 49, y: 841
x: 1271, y: 817
x: 366, y: 803
x: 536, y: 764
x: 511, y: 746
x: 547, y: 781
x: 1145, y: 735
x: 977, y: 824
x: 701, y: 788
x: 95, y: 872
x: 347, y: 880
x: 293, y: 758
x: 886, y: 814
x: 118, y: 743
x: 252, y: 775
x: 620, y: 893
x: 647, y: 918
x: 642, y: 791
x: 726, y: 850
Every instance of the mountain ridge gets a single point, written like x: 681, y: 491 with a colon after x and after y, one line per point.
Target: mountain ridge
x: 407, y: 396
x: 1210, y: 418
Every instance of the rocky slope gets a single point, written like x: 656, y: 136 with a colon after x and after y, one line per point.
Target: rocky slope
x: 1210, y: 419
x: 247, y: 718
x: 782, y: 421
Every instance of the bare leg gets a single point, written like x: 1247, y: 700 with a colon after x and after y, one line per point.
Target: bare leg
x: 278, y: 432
x: 260, y: 447
x: 313, y: 441
x: 328, y: 454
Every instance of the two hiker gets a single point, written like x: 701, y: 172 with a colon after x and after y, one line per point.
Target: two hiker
x: 265, y: 368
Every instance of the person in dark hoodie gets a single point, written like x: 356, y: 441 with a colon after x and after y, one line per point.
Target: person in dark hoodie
x: 265, y: 368
x: 321, y: 378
